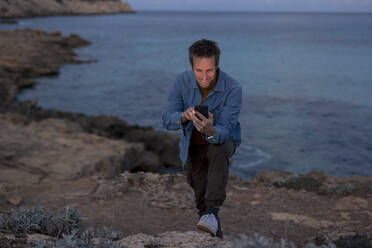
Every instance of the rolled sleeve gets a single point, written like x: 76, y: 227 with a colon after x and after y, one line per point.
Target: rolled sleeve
x: 172, y: 116
x: 173, y: 121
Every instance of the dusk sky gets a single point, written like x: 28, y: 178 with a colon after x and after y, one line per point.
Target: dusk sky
x: 255, y: 5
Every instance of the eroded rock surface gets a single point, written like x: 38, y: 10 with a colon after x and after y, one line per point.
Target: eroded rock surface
x: 189, y: 239
x: 27, y: 8
x: 151, y: 208
x: 27, y: 54
x: 59, y: 149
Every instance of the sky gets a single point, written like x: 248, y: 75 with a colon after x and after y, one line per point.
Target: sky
x: 255, y: 5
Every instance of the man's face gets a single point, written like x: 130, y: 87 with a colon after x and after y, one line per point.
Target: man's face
x: 205, y: 71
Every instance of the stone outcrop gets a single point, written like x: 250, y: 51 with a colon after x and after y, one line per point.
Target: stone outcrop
x: 59, y: 149
x: 168, y: 191
x: 27, y: 54
x: 173, y: 240
x: 315, y: 181
x: 31, y: 8
x: 8, y: 21
x: 161, y: 147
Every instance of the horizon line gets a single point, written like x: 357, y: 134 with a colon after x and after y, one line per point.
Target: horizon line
x: 257, y: 11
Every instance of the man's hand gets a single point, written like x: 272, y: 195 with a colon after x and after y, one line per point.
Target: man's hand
x: 203, y: 124
x: 187, y: 115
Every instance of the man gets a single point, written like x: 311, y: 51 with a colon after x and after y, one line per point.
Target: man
x: 206, y: 144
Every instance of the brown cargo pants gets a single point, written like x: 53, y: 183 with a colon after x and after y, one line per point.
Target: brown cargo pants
x: 207, y: 169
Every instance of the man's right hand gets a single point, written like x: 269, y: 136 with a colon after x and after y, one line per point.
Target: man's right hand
x: 187, y: 115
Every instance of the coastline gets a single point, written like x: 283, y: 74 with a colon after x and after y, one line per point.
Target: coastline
x: 27, y: 54
x: 100, y: 182
x: 22, y: 9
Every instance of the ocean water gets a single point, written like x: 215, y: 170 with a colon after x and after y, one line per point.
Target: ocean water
x: 306, y: 78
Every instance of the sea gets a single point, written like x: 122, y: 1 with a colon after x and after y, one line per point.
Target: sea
x: 306, y: 79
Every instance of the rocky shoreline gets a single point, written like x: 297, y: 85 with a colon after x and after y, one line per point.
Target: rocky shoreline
x: 27, y: 54
x: 24, y: 9
x: 58, y: 159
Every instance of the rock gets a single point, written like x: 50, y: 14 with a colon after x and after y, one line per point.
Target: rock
x: 315, y: 181
x: 165, y: 191
x: 149, y: 163
x: 29, y: 53
x: 59, y: 149
x: 162, y: 148
x: 354, y: 240
x: 325, y: 237
x: 14, y: 176
x: 3, y: 189
x: 164, y: 144
x: 351, y: 203
x: 338, y: 189
x: 189, y: 239
x: 8, y: 236
x: 75, y: 41
x: 42, y: 54
x: 4, y: 91
x: 15, y: 200
x: 34, y: 239
x: 269, y: 177
x: 302, y: 220
x: 20, y: 9
x: 8, y: 21
x: 319, y: 176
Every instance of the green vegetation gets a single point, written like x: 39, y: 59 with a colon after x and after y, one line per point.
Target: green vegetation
x: 40, y: 220
x: 258, y: 241
x: 84, y: 240
x: 356, y: 241
x: 64, y: 225
x: 298, y: 183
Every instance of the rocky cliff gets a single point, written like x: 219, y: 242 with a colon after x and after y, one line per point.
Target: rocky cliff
x: 26, y: 54
x: 31, y: 8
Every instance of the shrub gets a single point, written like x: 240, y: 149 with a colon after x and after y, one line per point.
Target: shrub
x: 108, y: 233
x: 340, y: 189
x: 85, y: 240
x: 354, y: 241
x: 306, y: 183
x: 258, y: 241
x: 40, y: 220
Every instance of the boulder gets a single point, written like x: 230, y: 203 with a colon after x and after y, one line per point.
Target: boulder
x: 56, y: 148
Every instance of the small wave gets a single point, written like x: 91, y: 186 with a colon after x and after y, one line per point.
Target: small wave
x: 22, y: 23
x: 251, y: 156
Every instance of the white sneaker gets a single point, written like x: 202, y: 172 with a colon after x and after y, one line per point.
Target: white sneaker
x: 208, y: 223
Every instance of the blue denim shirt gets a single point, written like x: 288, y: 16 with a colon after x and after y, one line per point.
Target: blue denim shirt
x: 224, y: 102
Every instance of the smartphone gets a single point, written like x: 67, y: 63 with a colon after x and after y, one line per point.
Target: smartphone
x: 203, y: 109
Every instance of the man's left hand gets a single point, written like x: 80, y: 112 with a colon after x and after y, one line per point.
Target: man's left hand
x: 203, y: 125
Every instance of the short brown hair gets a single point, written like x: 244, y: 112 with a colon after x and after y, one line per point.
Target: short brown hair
x: 204, y: 49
